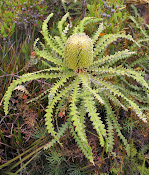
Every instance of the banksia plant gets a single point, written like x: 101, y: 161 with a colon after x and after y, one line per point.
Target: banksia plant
x: 85, y: 76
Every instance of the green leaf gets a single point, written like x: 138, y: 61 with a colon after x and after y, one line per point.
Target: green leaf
x: 115, y: 17
x: 5, y: 25
x: 13, y: 28
x: 85, y: 82
x: 2, y: 30
x: 120, y: 14
x: 79, y: 131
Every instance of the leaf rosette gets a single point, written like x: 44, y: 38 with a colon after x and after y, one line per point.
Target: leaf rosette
x: 107, y: 81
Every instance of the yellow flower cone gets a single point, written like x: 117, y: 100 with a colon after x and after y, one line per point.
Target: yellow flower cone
x: 78, y: 51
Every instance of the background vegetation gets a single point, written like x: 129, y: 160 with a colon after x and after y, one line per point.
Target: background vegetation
x: 22, y: 132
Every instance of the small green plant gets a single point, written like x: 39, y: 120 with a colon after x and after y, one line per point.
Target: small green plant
x: 7, y: 25
x: 75, y: 8
x: 86, y: 79
x: 113, y: 13
x: 136, y: 163
x: 136, y: 22
x: 22, y: 15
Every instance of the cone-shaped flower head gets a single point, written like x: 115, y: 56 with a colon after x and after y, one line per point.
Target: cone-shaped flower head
x: 78, y: 51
